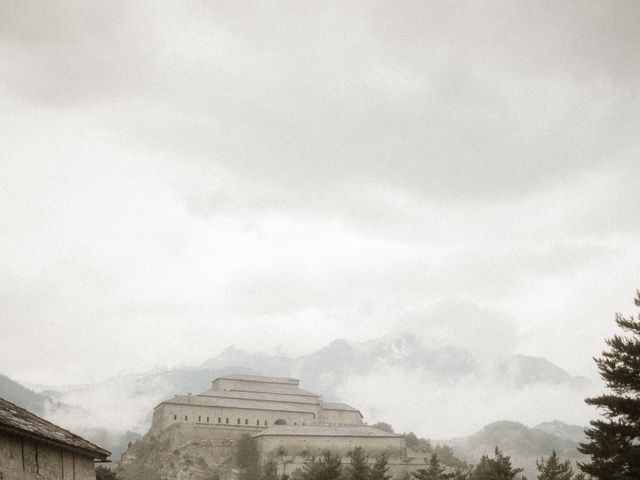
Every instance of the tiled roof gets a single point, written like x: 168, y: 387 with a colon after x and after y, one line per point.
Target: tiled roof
x: 259, y: 378
x: 262, y: 396
x: 19, y: 421
x: 315, y: 431
x: 251, y: 404
x: 338, y: 406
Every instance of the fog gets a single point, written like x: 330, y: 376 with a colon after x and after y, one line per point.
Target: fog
x: 179, y: 178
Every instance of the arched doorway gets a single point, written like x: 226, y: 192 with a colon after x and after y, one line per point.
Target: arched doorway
x: 280, y: 422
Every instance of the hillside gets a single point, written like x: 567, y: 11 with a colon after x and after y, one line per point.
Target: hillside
x: 23, y: 397
x: 524, y: 444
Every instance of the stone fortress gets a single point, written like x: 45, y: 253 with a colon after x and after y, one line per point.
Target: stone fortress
x: 288, y: 424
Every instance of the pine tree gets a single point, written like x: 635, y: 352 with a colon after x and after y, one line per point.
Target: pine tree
x: 327, y: 467
x: 269, y: 471
x: 614, y: 441
x: 359, y: 469
x: 380, y: 468
x: 553, y: 468
x: 498, y: 468
x: 435, y: 471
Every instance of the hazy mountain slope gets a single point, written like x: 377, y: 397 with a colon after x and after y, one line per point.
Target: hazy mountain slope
x: 524, y: 444
x: 433, y: 388
x: 23, y: 397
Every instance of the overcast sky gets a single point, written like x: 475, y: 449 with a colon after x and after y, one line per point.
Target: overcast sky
x: 178, y: 177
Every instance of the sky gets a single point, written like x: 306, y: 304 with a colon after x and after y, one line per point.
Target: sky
x: 179, y: 177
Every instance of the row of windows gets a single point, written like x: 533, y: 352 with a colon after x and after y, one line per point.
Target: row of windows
x: 226, y: 420
x: 238, y: 422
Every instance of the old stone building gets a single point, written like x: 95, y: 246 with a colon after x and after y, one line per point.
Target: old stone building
x: 33, y: 448
x: 196, y: 436
x: 252, y: 403
x: 288, y: 424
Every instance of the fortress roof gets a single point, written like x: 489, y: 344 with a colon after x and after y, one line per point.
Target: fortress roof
x: 306, y: 397
x: 338, y: 406
x: 242, y: 403
x: 322, y: 431
x: 259, y: 378
x: 19, y: 421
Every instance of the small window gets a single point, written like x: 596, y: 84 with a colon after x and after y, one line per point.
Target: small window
x: 227, y: 420
x: 295, y: 423
x: 186, y: 418
x: 175, y: 417
x: 265, y: 423
x: 238, y: 421
x: 199, y: 419
x: 207, y: 419
x: 258, y: 422
x: 219, y: 420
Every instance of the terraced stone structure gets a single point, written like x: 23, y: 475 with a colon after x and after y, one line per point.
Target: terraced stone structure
x: 33, y: 448
x: 252, y: 403
x: 283, y: 419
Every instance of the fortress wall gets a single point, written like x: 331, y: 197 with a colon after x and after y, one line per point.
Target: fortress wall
x: 168, y: 414
x: 23, y: 459
x: 307, y: 445
x: 254, y: 403
x: 265, y: 396
x: 218, y: 437
x: 340, y: 417
x: 254, y: 386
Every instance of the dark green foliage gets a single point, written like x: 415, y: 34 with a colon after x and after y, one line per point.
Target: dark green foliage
x: 444, y: 452
x: 384, y: 427
x: 497, y: 468
x: 326, y: 467
x: 359, y: 468
x: 614, y: 441
x: 103, y: 473
x: 553, y: 468
x: 435, y: 471
x: 246, y: 458
x: 460, y: 474
x: 246, y: 452
x: 446, y: 456
x: 419, y: 444
x: 269, y: 471
x: 380, y: 468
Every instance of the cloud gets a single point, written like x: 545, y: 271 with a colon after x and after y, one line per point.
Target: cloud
x: 412, y: 402
x: 204, y: 174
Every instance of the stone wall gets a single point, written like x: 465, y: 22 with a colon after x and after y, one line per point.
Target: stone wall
x: 168, y: 414
x: 270, y: 447
x: 25, y: 459
x: 340, y: 417
x: 255, y: 386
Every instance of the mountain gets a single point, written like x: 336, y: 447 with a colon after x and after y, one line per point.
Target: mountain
x: 23, y: 397
x: 525, y: 445
x: 434, y: 388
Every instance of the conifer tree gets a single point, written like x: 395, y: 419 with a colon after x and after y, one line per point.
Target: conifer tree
x: 497, y: 468
x: 380, y: 468
x: 553, y: 468
x: 435, y: 471
x: 269, y: 471
x: 614, y: 441
x: 327, y: 467
x: 359, y: 468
